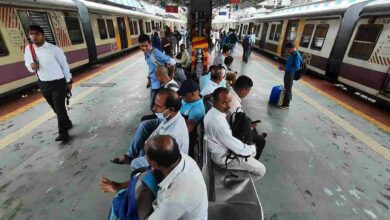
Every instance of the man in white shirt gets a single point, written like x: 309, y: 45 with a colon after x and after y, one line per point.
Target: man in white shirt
x: 214, y: 83
x: 220, y: 58
x: 182, y: 192
x: 221, y: 142
x: 54, y: 78
x: 165, y: 80
x: 239, y: 90
x: 169, y: 121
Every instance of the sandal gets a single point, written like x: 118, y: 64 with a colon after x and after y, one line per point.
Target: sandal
x: 117, y: 160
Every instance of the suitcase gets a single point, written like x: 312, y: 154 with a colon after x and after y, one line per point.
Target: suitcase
x: 277, y: 95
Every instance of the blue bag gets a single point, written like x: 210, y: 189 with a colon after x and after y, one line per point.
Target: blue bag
x: 275, y: 94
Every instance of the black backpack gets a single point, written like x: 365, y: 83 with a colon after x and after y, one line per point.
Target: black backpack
x: 302, y: 71
x: 241, y: 127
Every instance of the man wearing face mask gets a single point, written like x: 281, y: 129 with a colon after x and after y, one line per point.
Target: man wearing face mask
x: 169, y: 121
x: 176, y: 174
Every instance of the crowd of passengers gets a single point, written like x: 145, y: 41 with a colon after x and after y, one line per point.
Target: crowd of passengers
x: 161, y: 147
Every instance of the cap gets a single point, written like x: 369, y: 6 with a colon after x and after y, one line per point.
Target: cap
x: 188, y: 86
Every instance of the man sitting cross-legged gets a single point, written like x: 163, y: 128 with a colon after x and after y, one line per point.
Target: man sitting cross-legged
x: 169, y: 121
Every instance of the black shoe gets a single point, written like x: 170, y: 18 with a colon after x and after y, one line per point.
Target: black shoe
x: 125, y: 160
x: 62, y: 137
x: 69, y: 125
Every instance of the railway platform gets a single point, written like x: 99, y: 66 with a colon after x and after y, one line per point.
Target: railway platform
x: 324, y: 160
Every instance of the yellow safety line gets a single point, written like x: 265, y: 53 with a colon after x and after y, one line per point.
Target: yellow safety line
x: 371, y: 143
x: 343, y: 104
x: 9, y: 139
x: 40, y: 100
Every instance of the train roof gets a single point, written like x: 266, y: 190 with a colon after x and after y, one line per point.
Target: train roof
x: 379, y: 7
x: 320, y: 9
x: 93, y: 7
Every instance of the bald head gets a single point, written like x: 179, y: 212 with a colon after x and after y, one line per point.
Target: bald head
x: 162, y: 71
x: 163, y: 150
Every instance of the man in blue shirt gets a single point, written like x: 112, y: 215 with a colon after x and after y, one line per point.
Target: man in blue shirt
x: 154, y: 58
x: 293, y: 64
x: 192, y: 107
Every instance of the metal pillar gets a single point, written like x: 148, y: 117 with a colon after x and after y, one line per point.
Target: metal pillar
x: 199, y: 22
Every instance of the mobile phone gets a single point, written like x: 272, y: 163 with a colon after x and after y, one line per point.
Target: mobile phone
x: 255, y: 122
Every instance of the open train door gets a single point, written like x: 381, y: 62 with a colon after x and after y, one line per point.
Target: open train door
x: 291, y: 34
x: 263, y: 35
x: 122, y: 32
x: 240, y: 31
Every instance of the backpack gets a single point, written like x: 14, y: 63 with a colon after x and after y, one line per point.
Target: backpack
x: 302, y: 71
x: 142, y: 188
x: 241, y: 127
x: 245, y: 43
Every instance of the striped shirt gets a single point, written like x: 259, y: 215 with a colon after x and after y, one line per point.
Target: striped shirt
x: 182, y: 194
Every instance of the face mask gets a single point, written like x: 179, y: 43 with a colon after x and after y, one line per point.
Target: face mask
x: 161, y: 115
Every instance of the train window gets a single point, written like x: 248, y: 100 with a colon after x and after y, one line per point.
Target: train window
x: 74, y: 29
x: 319, y: 36
x: 110, y: 27
x: 274, y: 34
x: 102, y: 28
x: 131, y: 27
x: 147, y: 24
x: 28, y: 18
x: 135, y: 26
x: 3, y: 48
x: 365, y: 41
x: 306, y: 36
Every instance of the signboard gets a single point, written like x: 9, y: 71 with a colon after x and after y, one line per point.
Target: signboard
x: 233, y: 2
x: 222, y: 13
x: 171, y: 9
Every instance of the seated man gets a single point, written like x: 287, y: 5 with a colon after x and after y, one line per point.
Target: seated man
x: 169, y: 121
x: 214, y: 83
x: 192, y: 107
x: 221, y: 142
x: 162, y: 75
x: 205, y: 78
x: 182, y: 192
x: 219, y: 59
x: 228, y: 65
x: 241, y: 89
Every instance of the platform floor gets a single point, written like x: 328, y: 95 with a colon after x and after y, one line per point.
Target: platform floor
x: 323, y: 161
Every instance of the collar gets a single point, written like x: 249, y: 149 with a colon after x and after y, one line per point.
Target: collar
x: 218, y: 113
x: 44, y: 45
x: 172, y: 120
x: 234, y: 94
x: 172, y: 175
x: 214, y: 84
x: 197, y: 102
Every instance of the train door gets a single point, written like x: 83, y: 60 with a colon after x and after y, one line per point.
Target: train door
x: 122, y: 32
x: 141, y: 26
x: 251, y: 28
x: 291, y: 34
x: 263, y: 35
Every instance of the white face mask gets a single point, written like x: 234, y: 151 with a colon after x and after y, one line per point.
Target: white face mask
x: 160, y: 115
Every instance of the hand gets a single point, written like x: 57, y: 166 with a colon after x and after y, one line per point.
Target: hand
x: 34, y: 66
x: 254, y: 125
x: 148, y: 83
x: 107, y: 185
x: 69, y: 86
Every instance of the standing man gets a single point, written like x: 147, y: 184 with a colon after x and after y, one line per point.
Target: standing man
x: 154, y: 58
x: 54, y: 78
x: 293, y: 64
x: 246, y: 44
x: 233, y: 39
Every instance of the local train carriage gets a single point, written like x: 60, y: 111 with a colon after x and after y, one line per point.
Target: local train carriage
x: 325, y: 35
x: 366, y: 65
x: 86, y: 31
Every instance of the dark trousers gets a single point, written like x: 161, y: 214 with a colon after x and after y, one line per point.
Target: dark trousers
x: 259, y: 141
x: 288, y: 83
x: 245, y: 54
x: 55, y: 93
x: 153, y: 94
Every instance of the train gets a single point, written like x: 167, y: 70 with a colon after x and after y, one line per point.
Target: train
x: 86, y: 31
x: 343, y: 41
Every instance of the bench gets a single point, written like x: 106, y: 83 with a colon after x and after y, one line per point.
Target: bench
x: 232, y: 198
